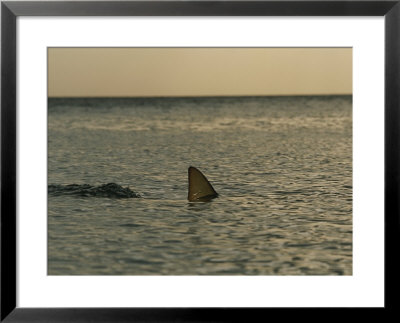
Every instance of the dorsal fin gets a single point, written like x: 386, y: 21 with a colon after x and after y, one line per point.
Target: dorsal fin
x: 200, y: 188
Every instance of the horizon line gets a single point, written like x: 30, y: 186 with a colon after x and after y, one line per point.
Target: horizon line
x: 195, y: 96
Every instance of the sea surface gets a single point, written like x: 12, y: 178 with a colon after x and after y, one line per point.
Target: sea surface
x: 117, y: 176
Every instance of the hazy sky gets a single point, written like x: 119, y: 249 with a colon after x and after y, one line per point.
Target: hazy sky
x: 105, y: 72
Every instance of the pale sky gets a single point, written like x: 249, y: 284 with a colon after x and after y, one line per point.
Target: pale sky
x: 147, y: 72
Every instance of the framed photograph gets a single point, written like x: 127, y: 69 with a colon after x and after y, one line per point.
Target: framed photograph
x: 197, y: 160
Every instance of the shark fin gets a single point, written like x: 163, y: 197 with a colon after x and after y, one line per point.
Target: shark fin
x: 200, y: 188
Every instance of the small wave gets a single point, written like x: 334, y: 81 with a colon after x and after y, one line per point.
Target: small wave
x: 110, y: 190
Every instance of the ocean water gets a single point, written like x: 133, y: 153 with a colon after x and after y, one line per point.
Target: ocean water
x: 282, y: 167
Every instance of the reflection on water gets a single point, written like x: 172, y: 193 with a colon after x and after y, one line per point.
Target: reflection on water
x: 282, y: 168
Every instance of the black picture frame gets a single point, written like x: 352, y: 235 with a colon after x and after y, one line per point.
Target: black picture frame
x: 10, y: 10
